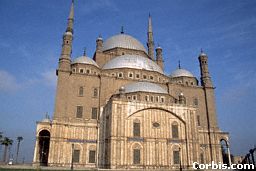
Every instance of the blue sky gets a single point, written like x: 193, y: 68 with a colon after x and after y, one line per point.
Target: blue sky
x: 30, y: 45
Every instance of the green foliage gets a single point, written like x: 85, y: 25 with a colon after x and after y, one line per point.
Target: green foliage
x: 7, y: 141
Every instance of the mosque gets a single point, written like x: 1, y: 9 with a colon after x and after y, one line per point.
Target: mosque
x: 120, y: 110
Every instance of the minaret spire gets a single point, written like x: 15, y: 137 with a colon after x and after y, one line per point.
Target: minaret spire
x: 65, y: 58
x: 71, y: 18
x: 150, y: 42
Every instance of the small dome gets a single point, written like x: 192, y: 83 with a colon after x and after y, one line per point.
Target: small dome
x: 68, y: 33
x: 84, y: 60
x: 158, y: 47
x: 202, y: 54
x: 123, y: 41
x: 144, y: 87
x: 133, y: 61
x: 181, y: 73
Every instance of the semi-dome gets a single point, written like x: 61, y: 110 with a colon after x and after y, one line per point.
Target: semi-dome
x: 133, y: 61
x: 181, y: 73
x: 123, y: 41
x: 84, y: 60
x: 144, y: 87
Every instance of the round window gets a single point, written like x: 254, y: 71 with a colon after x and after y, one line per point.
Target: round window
x: 156, y: 124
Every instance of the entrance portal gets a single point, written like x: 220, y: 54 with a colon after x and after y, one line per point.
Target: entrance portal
x: 44, y: 144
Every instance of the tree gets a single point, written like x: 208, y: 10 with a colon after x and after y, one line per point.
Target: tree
x: 6, y: 142
x: 19, y: 139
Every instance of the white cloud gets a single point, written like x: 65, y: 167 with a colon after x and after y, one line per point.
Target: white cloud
x: 8, y: 82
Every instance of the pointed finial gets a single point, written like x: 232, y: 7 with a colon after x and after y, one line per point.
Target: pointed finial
x: 84, y: 51
x: 122, y: 29
x: 202, y: 53
x: 158, y: 46
x: 149, y: 14
x: 99, y: 37
x: 179, y: 65
x: 71, y: 14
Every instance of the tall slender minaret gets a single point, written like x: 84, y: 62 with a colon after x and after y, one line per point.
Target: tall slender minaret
x: 205, y: 75
x: 64, y: 69
x: 65, y: 58
x: 150, y: 42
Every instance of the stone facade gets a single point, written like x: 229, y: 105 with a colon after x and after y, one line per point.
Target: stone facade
x: 105, y: 118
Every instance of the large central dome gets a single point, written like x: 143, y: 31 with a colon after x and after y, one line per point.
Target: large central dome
x: 144, y: 87
x: 133, y: 61
x: 123, y: 41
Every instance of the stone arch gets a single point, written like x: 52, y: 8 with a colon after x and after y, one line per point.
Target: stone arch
x: 159, y: 108
x: 43, y: 128
x: 136, y: 145
x: 136, y: 120
x: 92, y: 147
x: 175, y: 154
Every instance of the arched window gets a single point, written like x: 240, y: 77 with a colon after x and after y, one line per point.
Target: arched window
x: 198, y: 120
x: 195, y: 101
x: 120, y: 75
x: 176, y: 157
x: 95, y: 92
x: 136, y: 129
x: 92, y: 154
x: 76, y: 156
x: 81, y: 91
x: 175, y: 130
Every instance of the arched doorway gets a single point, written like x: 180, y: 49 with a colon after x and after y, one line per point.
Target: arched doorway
x: 44, y: 144
x: 225, y: 152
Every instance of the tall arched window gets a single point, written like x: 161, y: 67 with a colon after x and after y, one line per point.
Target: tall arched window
x: 81, y: 91
x: 136, y: 128
x: 136, y: 156
x: 175, y: 130
x: 176, y: 157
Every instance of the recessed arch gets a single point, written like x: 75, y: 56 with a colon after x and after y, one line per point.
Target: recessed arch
x: 136, y: 145
x: 224, y: 151
x: 44, y: 145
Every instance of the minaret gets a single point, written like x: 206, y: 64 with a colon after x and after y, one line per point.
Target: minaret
x: 205, y: 75
x: 64, y: 70
x: 150, y: 42
x: 65, y: 58
x: 159, y: 57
